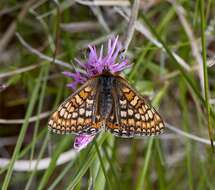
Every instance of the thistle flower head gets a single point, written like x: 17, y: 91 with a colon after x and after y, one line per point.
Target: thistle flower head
x: 99, y: 62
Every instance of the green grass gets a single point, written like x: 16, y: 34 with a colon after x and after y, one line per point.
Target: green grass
x: 167, y: 162
x: 206, y: 88
x: 23, y: 131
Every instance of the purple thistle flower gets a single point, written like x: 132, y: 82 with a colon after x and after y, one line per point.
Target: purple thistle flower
x: 96, y: 64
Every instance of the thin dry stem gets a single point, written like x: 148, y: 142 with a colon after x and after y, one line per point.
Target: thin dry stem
x: 104, y: 2
x: 131, y: 24
x: 19, y: 71
x: 21, y: 121
x: 193, y: 42
x: 188, y: 135
x: 29, y: 165
x: 40, y: 55
x: 98, y: 13
x: 80, y: 26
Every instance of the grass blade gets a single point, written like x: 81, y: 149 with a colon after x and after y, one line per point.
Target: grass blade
x: 206, y: 88
x: 142, y: 175
x: 23, y: 131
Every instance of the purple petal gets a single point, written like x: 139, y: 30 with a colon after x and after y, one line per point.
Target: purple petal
x: 119, y: 47
x: 67, y: 73
x: 79, y: 78
x: 81, y: 141
x: 114, y: 45
x: 101, y: 53
x: 111, y: 49
x: 72, y: 85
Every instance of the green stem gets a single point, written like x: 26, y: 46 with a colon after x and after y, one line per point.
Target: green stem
x: 206, y: 88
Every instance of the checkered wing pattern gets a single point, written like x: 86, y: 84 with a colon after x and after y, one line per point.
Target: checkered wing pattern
x: 131, y: 115
x: 76, y: 114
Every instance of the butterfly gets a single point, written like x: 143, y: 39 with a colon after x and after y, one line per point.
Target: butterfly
x: 106, y: 102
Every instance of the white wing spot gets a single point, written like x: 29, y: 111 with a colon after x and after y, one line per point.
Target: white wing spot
x: 137, y: 116
x: 51, y: 122
x: 134, y: 101
x: 65, y: 115
x: 147, y: 117
x: 74, y: 115
x: 62, y: 111
x: 130, y: 112
x: 69, y: 116
x: 161, y: 125
x: 150, y: 114
x: 123, y: 113
x: 88, y: 113
x: 89, y: 101
x: 81, y: 111
x: 122, y: 102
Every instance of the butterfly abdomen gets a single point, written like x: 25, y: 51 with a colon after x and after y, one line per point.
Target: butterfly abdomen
x: 105, y: 96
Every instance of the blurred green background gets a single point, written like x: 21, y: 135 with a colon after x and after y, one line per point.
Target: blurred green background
x: 172, y: 53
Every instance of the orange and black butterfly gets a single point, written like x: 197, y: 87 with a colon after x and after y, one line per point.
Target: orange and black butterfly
x: 106, y: 102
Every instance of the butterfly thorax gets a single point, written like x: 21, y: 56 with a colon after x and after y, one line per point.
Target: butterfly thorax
x: 105, y: 98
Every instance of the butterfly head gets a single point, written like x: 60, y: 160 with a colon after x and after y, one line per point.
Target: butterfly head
x: 106, y: 69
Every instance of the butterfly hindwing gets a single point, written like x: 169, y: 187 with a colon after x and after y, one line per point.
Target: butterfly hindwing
x: 76, y: 114
x: 132, y: 116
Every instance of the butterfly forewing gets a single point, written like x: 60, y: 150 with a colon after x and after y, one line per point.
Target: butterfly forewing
x: 131, y: 115
x: 76, y: 114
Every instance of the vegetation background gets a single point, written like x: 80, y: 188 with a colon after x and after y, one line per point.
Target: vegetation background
x: 171, y: 45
